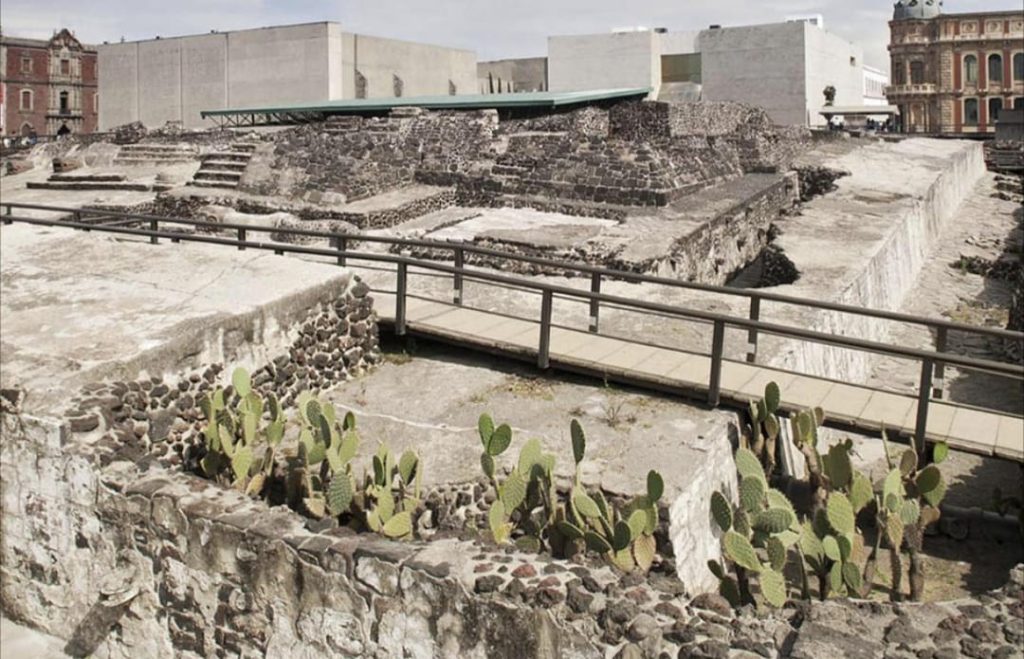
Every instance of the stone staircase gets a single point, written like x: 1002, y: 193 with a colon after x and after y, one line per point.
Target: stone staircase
x: 155, y: 154
x: 224, y: 169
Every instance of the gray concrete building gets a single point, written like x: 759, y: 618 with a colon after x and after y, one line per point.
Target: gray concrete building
x: 173, y: 79
x: 782, y: 67
x: 526, y: 74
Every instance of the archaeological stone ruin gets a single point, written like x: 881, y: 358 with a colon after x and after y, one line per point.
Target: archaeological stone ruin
x: 488, y: 383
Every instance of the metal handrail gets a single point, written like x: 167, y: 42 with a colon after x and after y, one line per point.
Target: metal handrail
x: 928, y: 359
x: 1000, y: 368
x: 935, y: 323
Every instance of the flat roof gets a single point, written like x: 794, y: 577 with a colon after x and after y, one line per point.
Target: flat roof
x: 458, y: 102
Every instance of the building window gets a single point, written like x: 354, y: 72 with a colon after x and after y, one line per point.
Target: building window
x: 898, y: 77
x: 971, y: 69
x: 917, y: 73
x: 26, y: 65
x: 65, y: 67
x: 26, y: 100
x: 1018, y: 66
x: 995, y: 68
x: 970, y: 112
x: 1018, y: 103
x: 995, y: 106
x: 64, y: 104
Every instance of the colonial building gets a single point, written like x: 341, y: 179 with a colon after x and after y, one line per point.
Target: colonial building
x: 47, y: 87
x: 954, y: 73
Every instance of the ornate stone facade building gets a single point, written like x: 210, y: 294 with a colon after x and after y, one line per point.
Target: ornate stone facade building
x: 954, y: 73
x: 48, y: 87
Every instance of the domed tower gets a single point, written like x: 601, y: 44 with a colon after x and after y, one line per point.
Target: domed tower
x: 916, y: 9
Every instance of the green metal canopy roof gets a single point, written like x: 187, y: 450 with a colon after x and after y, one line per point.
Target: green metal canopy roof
x: 302, y: 112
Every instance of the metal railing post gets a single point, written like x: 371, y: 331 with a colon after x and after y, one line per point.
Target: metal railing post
x: 400, y: 299
x: 755, y: 314
x: 715, y: 379
x: 544, y: 347
x: 938, y: 382
x: 154, y: 226
x: 923, y: 396
x: 8, y: 212
x: 241, y: 239
x: 595, y: 304
x: 460, y: 260
x: 341, y: 245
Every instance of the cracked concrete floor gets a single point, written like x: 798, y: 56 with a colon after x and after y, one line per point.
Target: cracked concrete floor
x: 430, y: 400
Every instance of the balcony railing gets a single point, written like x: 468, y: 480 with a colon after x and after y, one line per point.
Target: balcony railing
x: 919, y: 88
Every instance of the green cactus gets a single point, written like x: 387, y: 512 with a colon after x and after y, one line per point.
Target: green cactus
x: 763, y: 432
x: 391, y: 493
x: 529, y: 511
x: 907, y: 503
x: 240, y: 446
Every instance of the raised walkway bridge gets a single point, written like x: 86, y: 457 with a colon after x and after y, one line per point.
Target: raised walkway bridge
x: 552, y: 343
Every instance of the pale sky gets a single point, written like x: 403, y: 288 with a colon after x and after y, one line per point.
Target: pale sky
x: 495, y: 30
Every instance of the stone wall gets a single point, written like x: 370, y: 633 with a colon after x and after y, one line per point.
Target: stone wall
x: 130, y: 560
x: 362, y: 157
x: 890, y: 268
x: 724, y: 243
x: 602, y: 170
x: 633, y: 154
x: 154, y: 416
x: 584, y: 121
x: 659, y: 119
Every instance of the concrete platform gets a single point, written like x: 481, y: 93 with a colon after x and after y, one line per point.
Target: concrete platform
x: 77, y: 307
x: 431, y: 402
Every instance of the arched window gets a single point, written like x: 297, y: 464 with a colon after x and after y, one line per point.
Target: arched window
x: 898, y: 76
x: 971, y: 69
x: 970, y: 112
x: 64, y: 103
x: 995, y: 68
x: 26, y: 99
x: 1018, y: 66
x: 995, y: 106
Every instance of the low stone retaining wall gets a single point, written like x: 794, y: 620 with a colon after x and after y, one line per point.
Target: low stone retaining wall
x: 726, y: 242
x: 133, y: 560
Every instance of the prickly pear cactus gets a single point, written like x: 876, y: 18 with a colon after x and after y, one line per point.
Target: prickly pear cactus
x: 758, y: 534
x: 764, y: 428
x: 240, y: 446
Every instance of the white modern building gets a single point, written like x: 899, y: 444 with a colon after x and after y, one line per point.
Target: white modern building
x: 875, y: 83
x: 783, y: 67
x: 173, y: 79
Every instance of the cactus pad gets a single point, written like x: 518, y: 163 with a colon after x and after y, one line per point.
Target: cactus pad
x: 721, y: 511
x: 773, y: 587
x: 740, y: 551
x: 840, y: 513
